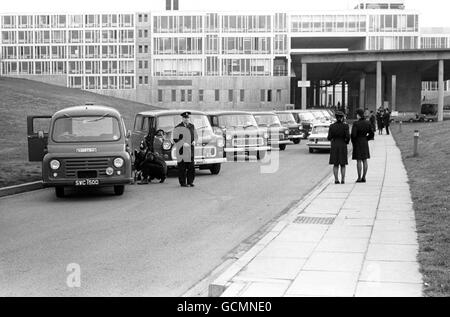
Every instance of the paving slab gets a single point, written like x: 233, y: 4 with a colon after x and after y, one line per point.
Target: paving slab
x: 392, y: 252
x: 333, y: 261
x: 379, y: 289
x: 283, y: 249
x: 346, y: 245
x: 274, y: 268
x: 388, y: 271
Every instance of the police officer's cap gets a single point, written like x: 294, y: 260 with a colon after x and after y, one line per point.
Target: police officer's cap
x: 186, y: 114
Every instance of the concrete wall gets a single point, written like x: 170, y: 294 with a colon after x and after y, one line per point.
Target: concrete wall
x: 252, y: 87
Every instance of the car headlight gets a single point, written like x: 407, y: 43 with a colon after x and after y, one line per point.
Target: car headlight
x: 266, y: 135
x: 54, y: 164
x: 286, y: 132
x: 167, y: 145
x: 229, y: 137
x: 220, y: 142
x: 109, y: 171
x: 118, y: 162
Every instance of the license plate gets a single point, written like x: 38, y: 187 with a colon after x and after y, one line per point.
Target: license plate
x: 87, y: 182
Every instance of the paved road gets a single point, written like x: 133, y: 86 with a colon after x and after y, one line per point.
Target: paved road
x: 156, y: 240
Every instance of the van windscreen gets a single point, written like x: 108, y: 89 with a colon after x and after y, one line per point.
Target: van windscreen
x: 86, y: 129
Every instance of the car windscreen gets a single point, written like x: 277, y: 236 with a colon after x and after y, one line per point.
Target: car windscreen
x: 320, y: 130
x: 86, y: 129
x: 286, y: 118
x: 168, y: 122
x: 268, y: 120
x: 306, y: 116
x: 237, y: 121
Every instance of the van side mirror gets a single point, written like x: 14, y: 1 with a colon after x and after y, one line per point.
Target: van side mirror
x: 41, y: 134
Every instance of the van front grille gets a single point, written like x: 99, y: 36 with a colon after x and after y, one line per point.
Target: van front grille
x: 75, y: 167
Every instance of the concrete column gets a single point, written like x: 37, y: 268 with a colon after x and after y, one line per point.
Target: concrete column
x: 362, y: 92
x: 441, y: 91
x: 317, y: 94
x: 343, y: 94
x: 334, y: 95
x: 304, y: 78
x: 379, y: 100
x: 394, y: 93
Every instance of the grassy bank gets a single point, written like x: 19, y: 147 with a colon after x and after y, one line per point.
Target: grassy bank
x: 19, y: 98
x: 429, y: 179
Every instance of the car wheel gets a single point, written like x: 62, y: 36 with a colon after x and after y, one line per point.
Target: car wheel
x: 59, y: 191
x: 311, y: 150
x: 411, y: 120
x: 119, y: 190
x: 296, y: 141
x: 260, y: 155
x: 215, y: 169
x: 282, y: 147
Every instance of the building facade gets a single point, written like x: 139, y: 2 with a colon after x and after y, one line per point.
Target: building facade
x: 206, y: 60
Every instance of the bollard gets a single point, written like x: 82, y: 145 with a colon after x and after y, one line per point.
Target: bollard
x: 400, y: 126
x: 416, y: 142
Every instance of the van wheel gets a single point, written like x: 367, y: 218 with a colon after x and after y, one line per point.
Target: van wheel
x: 215, y: 169
x: 282, y: 147
x: 59, y: 191
x: 296, y: 141
x: 311, y: 150
x: 119, y: 189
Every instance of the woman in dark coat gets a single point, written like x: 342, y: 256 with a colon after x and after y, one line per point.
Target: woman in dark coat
x: 361, y: 133
x: 380, y: 121
x: 339, y: 136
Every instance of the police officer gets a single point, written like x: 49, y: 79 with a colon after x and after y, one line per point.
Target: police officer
x: 185, y: 137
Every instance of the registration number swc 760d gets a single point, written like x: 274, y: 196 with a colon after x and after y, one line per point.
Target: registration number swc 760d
x: 87, y: 182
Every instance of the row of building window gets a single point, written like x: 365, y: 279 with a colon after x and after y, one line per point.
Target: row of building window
x: 392, y: 42
x: 229, y: 66
x: 328, y: 23
x: 101, y: 82
x: 63, y: 21
x: 67, y: 52
x: 71, y: 67
x: 67, y: 36
x: 435, y: 42
x: 186, y: 95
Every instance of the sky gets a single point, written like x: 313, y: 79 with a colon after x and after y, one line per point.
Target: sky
x: 433, y: 12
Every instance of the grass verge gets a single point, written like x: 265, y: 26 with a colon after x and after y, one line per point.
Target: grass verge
x: 429, y: 180
x: 20, y: 98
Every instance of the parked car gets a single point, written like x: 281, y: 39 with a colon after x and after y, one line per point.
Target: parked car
x: 407, y: 117
x: 84, y: 146
x: 241, y: 133
x: 306, y: 120
x: 430, y: 111
x: 318, y: 139
x: 287, y: 120
x: 446, y: 112
x: 209, y: 152
x: 278, y: 135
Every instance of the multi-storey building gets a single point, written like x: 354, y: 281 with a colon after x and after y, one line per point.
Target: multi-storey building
x: 195, y: 59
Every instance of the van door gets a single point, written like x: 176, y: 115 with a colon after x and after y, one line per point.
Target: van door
x: 37, y: 130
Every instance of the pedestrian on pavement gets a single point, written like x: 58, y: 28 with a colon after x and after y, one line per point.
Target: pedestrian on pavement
x: 185, y: 137
x: 372, y: 120
x: 339, y: 135
x: 380, y: 121
x: 387, y: 120
x: 361, y: 133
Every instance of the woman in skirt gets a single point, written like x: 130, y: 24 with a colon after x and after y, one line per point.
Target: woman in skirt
x: 339, y: 136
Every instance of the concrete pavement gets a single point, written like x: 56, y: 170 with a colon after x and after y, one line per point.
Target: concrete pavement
x: 342, y: 240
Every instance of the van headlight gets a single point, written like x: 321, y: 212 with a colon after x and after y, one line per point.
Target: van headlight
x: 55, y: 164
x: 118, y: 162
x: 266, y: 135
x: 220, y: 142
x: 229, y: 137
x: 286, y: 132
x: 167, y: 145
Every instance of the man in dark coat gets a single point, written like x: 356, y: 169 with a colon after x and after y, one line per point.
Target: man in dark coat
x: 380, y: 121
x: 372, y: 120
x: 339, y: 136
x: 185, y: 137
x: 387, y: 120
x: 361, y: 133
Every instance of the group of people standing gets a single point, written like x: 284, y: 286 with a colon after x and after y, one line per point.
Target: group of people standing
x: 340, y: 136
x: 383, y: 119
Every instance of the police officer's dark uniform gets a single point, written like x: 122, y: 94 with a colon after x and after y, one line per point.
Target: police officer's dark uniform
x: 185, y: 137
